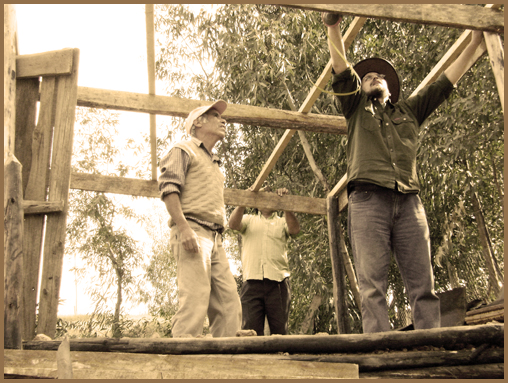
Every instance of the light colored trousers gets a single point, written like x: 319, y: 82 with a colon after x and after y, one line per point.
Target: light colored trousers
x: 382, y: 222
x: 206, y: 286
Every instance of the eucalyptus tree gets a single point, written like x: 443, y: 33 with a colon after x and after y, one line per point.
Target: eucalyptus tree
x: 94, y: 231
x: 263, y: 54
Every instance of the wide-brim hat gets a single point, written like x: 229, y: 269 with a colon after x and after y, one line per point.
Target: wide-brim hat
x: 195, y: 113
x: 382, y: 66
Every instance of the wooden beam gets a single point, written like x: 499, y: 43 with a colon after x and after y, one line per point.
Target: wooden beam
x: 36, y: 190
x: 338, y: 270
x: 117, y: 365
x: 446, y: 15
x: 150, y: 61
x: 27, y: 96
x: 306, y: 107
x: 13, y: 251
x: 496, y: 55
x: 54, y: 63
x: 449, y: 338
x: 10, y: 52
x: 42, y: 207
x: 54, y: 243
x: 232, y: 197
x: 42, y: 363
x: 179, y: 107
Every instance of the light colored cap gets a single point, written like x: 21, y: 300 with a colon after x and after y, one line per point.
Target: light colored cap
x: 219, y: 105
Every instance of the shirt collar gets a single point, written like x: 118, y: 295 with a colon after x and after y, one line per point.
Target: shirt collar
x: 200, y: 144
x: 272, y: 216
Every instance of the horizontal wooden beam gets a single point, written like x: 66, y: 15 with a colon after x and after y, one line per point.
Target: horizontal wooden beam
x: 446, y: 15
x: 294, y: 203
x: 446, y: 337
x: 54, y: 63
x: 119, y: 365
x: 179, y: 107
x: 42, y: 207
x: 232, y: 197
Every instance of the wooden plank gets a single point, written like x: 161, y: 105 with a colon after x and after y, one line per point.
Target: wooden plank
x: 58, y: 191
x: 232, y: 197
x: 179, y: 107
x: 13, y: 251
x: 27, y: 96
x: 54, y: 63
x: 339, y: 282
x: 10, y: 52
x: 36, y: 190
x: 446, y: 15
x: 42, y: 207
x: 145, y: 366
x: 305, y: 108
x: 476, y: 371
x: 294, y: 203
x: 496, y: 55
x: 42, y: 362
x: 450, y: 338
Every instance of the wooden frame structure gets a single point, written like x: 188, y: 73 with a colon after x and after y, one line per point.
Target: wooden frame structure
x: 37, y: 156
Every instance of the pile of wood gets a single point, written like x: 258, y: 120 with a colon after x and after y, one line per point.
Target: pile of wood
x: 486, y: 314
x: 452, y: 352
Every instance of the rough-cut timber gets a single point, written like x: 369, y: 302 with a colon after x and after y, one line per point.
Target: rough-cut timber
x: 232, y: 197
x: 42, y: 207
x: 449, y: 338
x: 100, y: 365
x: 52, y: 63
x: 179, y: 107
x: 13, y: 252
x: 446, y: 15
x: 36, y: 190
x: 59, y: 180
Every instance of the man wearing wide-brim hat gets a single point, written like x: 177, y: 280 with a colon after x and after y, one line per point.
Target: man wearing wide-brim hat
x: 385, y: 213
x: 192, y: 187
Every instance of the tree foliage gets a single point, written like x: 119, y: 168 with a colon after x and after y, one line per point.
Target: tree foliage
x: 258, y: 51
x: 94, y: 231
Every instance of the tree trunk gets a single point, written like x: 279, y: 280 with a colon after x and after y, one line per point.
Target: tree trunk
x: 117, y: 333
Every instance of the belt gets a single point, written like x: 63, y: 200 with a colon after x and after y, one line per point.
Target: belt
x: 364, y: 186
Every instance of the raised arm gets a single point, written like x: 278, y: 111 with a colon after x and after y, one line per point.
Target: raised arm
x: 455, y: 71
x: 335, y: 41
x: 235, y: 220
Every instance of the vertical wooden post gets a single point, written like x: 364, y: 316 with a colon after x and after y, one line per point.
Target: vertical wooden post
x: 10, y: 52
x: 339, y: 284
x: 13, y: 194
x: 13, y: 247
x: 59, y: 182
x: 150, y: 60
x: 36, y: 190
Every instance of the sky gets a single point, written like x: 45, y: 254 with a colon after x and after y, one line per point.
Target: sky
x: 112, y: 43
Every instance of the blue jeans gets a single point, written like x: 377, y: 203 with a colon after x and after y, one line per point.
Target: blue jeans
x: 206, y: 287
x: 382, y: 222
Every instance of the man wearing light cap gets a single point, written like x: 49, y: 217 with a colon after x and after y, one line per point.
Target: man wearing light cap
x: 385, y: 213
x: 192, y: 187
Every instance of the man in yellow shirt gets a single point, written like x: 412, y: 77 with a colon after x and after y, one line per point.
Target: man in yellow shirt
x: 266, y: 290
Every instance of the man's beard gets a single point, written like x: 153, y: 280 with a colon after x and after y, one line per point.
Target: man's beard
x: 378, y: 93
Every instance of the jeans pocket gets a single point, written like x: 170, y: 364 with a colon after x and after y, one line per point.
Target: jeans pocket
x: 360, y: 196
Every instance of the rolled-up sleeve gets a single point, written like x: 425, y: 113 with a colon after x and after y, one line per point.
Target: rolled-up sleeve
x: 346, y: 83
x: 173, y: 167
